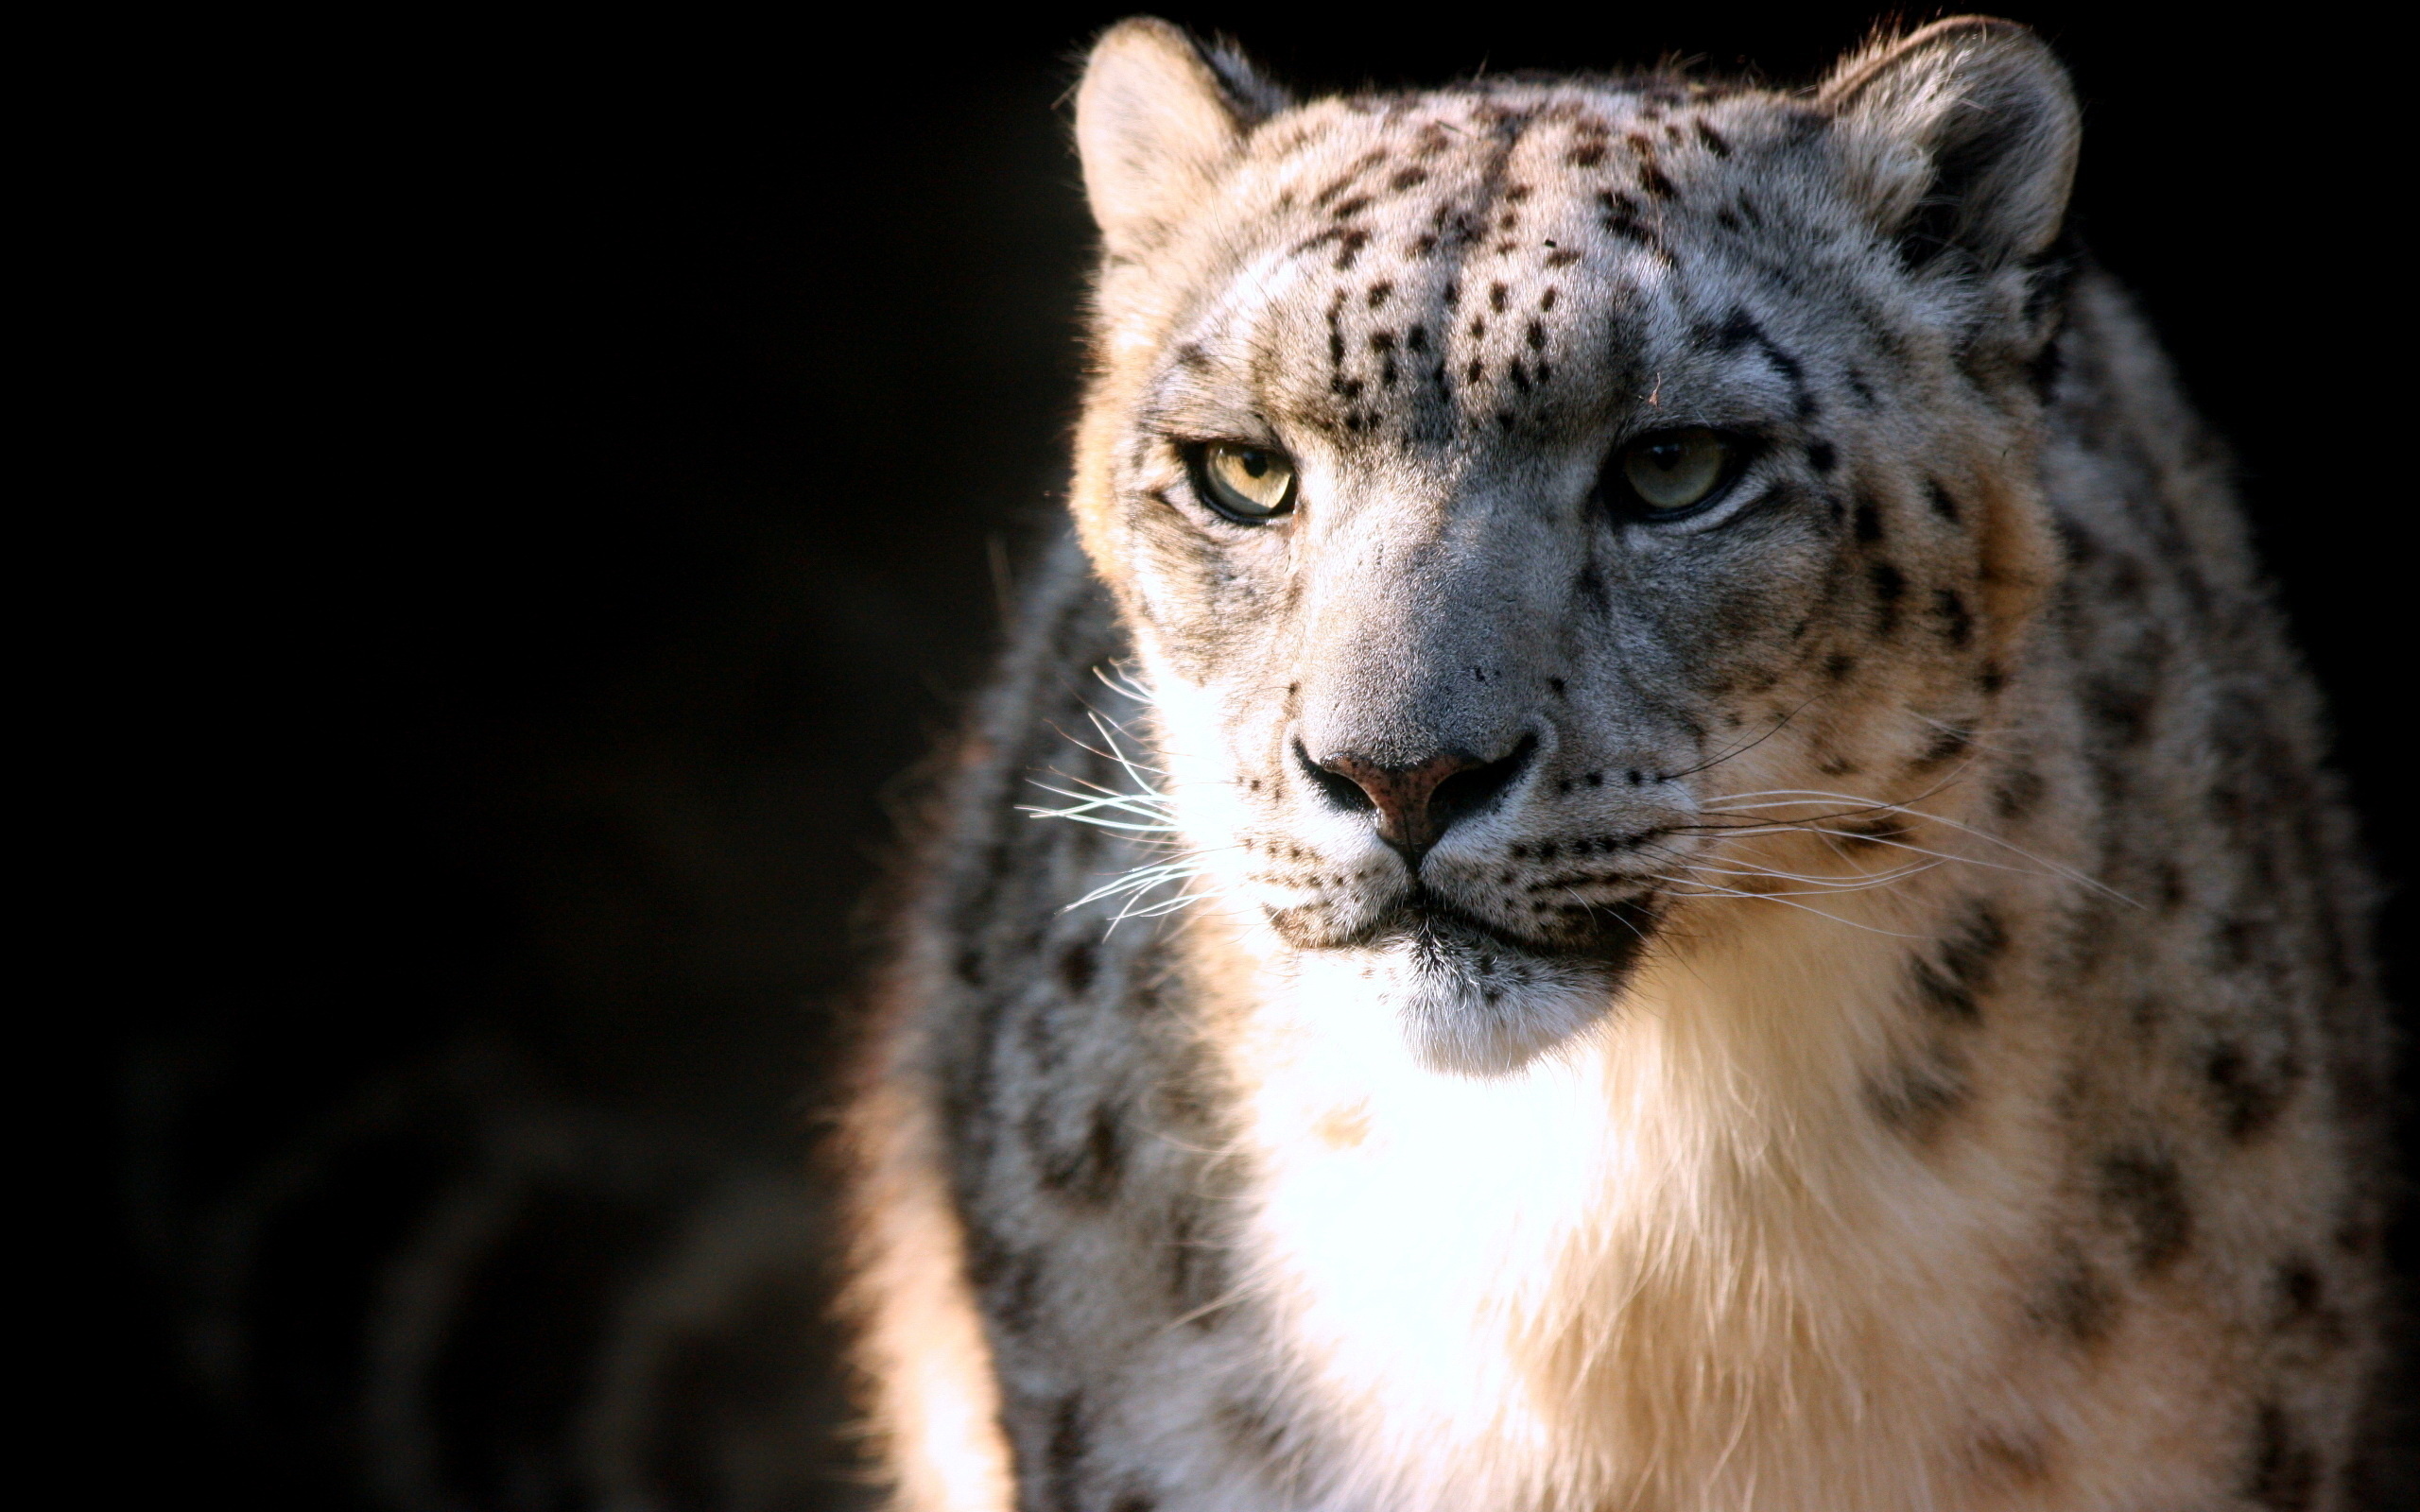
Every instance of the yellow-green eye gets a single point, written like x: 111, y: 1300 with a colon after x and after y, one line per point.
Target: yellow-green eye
x: 1247, y: 482
x: 1675, y: 469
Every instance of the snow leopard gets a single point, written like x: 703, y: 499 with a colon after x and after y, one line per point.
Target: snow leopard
x: 1653, y: 847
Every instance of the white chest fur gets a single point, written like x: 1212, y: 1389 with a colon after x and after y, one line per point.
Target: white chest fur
x: 1678, y: 1267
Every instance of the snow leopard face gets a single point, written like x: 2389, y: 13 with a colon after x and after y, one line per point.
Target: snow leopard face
x: 1521, y: 494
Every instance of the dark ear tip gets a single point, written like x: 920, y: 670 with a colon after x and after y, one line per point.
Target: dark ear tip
x: 1250, y: 93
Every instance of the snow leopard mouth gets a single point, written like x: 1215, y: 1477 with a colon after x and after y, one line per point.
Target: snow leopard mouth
x: 1611, y: 935
x: 1608, y: 935
x: 1476, y: 999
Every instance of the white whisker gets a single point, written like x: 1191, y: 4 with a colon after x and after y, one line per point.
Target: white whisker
x: 1719, y: 889
x: 1791, y: 798
x: 1858, y: 883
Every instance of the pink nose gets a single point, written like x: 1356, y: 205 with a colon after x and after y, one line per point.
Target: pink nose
x: 1410, y: 817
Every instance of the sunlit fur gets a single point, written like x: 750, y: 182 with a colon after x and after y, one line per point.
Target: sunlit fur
x: 1900, y: 1038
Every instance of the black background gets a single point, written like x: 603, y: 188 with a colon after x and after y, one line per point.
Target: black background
x: 569, y: 472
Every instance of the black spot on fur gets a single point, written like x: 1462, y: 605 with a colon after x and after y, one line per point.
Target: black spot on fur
x: 1949, y: 985
x: 2249, y: 1097
x: 1621, y: 215
x: 2019, y: 792
x: 1009, y: 1281
x: 1918, y: 1096
x: 2079, y: 545
x: 1869, y: 522
x: 1088, y: 1172
x: 2120, y: 705
x: 1873, y: 832
x: 1063, y: 1455
x: 2299, y: 1292
x: 1038, y: 1034
x: 1821, y: 457
x: 2127, y: 580
x: 1078, y: 965
x: 1741, y: 330
x: 2169, y: 885
x: 1888, y: 583
x: 1945, y: 746
x: 1712, y: 139
x: 1943, y: 505
x: 2075, y: 1301
x: 1949, y: 611
x: 2141, y: 1189
x: 2284, y: 1475
x: 1588, y: 587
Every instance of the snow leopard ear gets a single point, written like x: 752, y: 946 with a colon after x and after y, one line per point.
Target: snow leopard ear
x: 1157, y: 116
x: 1961, y: 135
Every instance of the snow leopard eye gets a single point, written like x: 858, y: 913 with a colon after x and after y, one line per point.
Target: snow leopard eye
x: 1249, y: 484
x: 1673, y: 471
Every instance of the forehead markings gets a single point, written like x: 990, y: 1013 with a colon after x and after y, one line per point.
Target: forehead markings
x: 1474, y: 240
x: 1456, y: 331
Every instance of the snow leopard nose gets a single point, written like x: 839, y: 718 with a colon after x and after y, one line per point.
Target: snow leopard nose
x: 1416, y: 806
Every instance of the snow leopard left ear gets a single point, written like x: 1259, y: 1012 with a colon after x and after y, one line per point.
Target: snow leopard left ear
x: 1158, y: 114
x: 1961, y: 135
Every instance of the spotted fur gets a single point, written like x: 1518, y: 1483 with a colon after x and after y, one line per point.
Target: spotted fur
x: 1888, y: 1024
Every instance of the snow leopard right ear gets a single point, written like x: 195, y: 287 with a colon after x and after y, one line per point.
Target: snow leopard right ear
x: 1156, y: 117
x: 1961, y: 135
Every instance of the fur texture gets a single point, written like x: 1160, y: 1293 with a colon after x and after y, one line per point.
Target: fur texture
x: 1888, y: 1024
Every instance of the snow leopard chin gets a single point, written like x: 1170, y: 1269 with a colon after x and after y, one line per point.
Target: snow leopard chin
x: 1473, y: 1005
